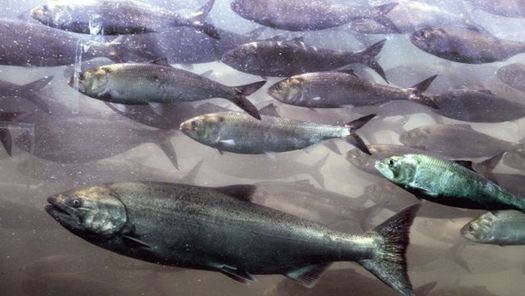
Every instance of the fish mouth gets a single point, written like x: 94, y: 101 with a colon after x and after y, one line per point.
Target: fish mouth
x: 384, y: 169
x: 185, y: 127
x: 37, y: 12
x: 55, y: 209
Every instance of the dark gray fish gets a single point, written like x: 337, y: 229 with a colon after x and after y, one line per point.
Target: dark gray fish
x: 297, y: 15
x: 235, y: 237
x: 446, y: 182
x: 306, y: 201
x: 512, y: 8
x: 465, y: 45
x: 29, y: 92
x: 26, y: 44
x: 513, y: 75
x: 288, y: 58
x: 477, y: 106
x: 81, y: 138
x: 409, y: 16
x: 468, y: 143
x: 502, y: 228
x: 338, y: 89
x: 118, y: 17
x: 166, y: 116
x: 139, y: 84
x: 238, y: 133
x: 182, y: 45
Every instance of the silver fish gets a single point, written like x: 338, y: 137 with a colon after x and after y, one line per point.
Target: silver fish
x: 297, y: 15
x: 117, y: 217
x: 287, y: 58
x: 448, y: 183
x: 465, y: 45
x: 513, y: 75
x: 337, y: 89
x: 238, y: 133
x: 437, y: 138
x: 152, y: 83
x: 497, y: 228
x: 118, y: 17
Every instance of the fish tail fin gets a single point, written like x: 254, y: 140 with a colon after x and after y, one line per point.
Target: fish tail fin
x: 455, y: 253
x: 6, y: 140
x: 369, y: 56
x: 315, y: 172
x: 367, y: 214
x: 198, y: 20
x: 242, y: 102
x: 31, y: 89
x: 489, y: 164
x: 353, y: 138
x: 380, y: 16
x: 389, y: 263
x: 167, y: 147
x: 417, y: 96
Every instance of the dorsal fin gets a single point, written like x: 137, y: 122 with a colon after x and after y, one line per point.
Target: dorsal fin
x: 422, y: 86
x: 160, y: 62
x: 241, y: 192
x: 465, y: 163
x: 269, y: 110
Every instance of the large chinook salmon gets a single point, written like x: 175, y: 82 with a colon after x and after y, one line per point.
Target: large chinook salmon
x: 220, y: 229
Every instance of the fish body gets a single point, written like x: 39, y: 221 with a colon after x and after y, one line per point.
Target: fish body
x: 288, y: 58
x: 239, y: 133
x: 27, y: 44
x: 447, y: 183
x: 515, y: 8
x: 513, y: 75
x: 116, y: 17
x: 297, y: 15
x: 465, y: 45
x: 182, y: 45
x: 409, y: 16
x: 151, y: 83
x: 219, y: 229
x: 477, y: 106
x: 437, y: 138
x: 497, y: 228
x: 29, y: 92
x: 337, y: 89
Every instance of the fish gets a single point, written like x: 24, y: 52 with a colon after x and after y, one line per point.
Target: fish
x: 182, y: 45
x: 304, y: 200
x: 515, y: 159
x: 446, y: 182
x: 512, y: 8
x: 29, y: 92
x: 238, y: 133
x: 513, y: 75
x: 465, y: 45
x: 288, y: 58
x: 338, y: 89
x: 477, y: 106
x: 409, y: 16
x: 27, y: 44
x: 504, y: 228
x: 436, y: 139
x: 297, y: 15
x: 79, y: 138
x: 153, y: 83
x: 118, y: 218
x: 118, y: 17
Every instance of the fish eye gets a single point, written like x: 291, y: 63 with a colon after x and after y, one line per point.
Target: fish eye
x: 81, y: 76
x: 76, y: 203
x: 194, y: 124
x: 45, y: 8
x: 391, y: 162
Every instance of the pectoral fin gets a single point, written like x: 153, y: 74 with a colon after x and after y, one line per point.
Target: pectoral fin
x: 135, y: 242
x: 237, y: 274
x: 308, y: 275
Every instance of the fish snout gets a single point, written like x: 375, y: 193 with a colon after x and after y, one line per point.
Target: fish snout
x: 186, y: 127
x: 52, y: 200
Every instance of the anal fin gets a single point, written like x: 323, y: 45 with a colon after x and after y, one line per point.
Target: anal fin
x: 237, y: 274
x: 308, y: 275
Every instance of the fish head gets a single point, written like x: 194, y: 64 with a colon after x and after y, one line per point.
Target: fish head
x: 241, y: 57
x: 204, y: 128
x: 433, y: 40
x: 54, y: 14
x: 480, y: 230
x: 398, y: 169
x: 90, y: 211
x: 92, y: 82
x: 416, y: 138
x: 289, y: 90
